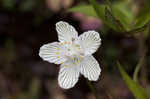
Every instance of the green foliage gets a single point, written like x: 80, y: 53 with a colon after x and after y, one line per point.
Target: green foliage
x: 117, y: 15
x: 116, y: 24
x: 120, y: 19
x: 90, y: 11
x: 123, y: 13
x: 85, y: 9
x: 9, y: 4
x: 95, y: 10
x: 104, y: 19
x: 139, y: 29
x: 143, y: 16
x: 134, y: 87
x: 137, y: 69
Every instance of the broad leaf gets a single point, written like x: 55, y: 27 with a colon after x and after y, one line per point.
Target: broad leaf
x: 134, y: 87
x: 84, y: 9
x: 143, y: 16
x: 115, y: 23
x: 123, y: 13
x: 89, y: 10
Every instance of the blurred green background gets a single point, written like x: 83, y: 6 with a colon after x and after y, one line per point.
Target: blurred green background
x: 25, y: 25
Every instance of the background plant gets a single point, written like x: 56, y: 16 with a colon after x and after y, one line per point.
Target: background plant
x: 27, y: 24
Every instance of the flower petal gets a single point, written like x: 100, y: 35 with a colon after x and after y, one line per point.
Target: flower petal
x: 68, y: 75
x: 90, y: 42
x: 66, y: 32
x: 89, y: 67
x: 52, y: 53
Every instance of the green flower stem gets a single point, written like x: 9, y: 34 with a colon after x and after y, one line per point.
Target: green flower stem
x: 142, y: 52
x: 92, y: 89
x: 137, y: 69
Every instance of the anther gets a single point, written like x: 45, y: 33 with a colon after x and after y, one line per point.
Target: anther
x: 58, y: 48
x: 58, y: 56
x: 57, y: 53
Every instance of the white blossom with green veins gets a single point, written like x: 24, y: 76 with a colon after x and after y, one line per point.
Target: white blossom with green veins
x: 74, y: 53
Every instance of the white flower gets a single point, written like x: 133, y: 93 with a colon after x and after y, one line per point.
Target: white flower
x: 74, y: 53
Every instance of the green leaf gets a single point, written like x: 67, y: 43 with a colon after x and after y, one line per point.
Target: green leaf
x: 113, y: 21
x: 134, y: 87
x: 90, y: 11
x: 140, y: 29
x: 123, y: 13
x: 84, y: 9
x: 137, y: 69
x: 100, y: 12
x: 118, y: 24
x: 102, y: 15
x: 119, y: 20
x: 143, y: 16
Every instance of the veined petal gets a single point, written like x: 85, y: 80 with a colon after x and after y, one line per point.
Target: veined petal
x: 68, y: 75
x: 89, y: 67
x: 90, y: 42
x: 66, y: 32
x: 52, y: 53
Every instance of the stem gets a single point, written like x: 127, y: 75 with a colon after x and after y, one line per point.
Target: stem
x: 92, y: 89
x: 137, y: 69
x: 142, y: 52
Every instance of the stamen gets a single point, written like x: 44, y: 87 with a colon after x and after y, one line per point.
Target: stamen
x: 58, y: 56
x: 57, y: 53
x: 58, y: 48
x: 81, y: 57
x: 76, y: 45
x: 61, y: 43
x: 78, y: 61
x: 67, y: 66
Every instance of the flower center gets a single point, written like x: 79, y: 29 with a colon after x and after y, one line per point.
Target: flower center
x: 73, y: 52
